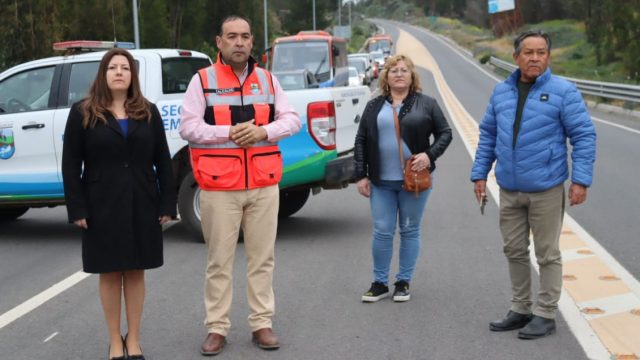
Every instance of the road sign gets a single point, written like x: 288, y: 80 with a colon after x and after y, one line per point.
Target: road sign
x: 496, y: 6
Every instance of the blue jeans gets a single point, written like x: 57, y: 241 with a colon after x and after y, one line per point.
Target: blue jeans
x: 390, y: 204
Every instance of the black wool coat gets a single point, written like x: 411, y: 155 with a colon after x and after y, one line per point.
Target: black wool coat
x: 121, y: 185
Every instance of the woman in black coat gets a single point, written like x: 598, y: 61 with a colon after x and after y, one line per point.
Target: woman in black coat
x: 119, y: 188
x: 380, y: 173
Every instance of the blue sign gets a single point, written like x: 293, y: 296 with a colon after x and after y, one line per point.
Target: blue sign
x: 496, y: 6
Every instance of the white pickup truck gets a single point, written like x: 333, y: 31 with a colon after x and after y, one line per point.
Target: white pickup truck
x: 35, y: 98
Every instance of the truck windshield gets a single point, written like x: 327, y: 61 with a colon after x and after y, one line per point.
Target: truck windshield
x: 382, y: 45
x: 310, y: 55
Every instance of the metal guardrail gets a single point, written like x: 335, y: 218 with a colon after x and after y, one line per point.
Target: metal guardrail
x: 597, y: 88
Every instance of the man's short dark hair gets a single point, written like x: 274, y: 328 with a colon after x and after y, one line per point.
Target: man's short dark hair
x: 517, y: 43
x: 232, y: 18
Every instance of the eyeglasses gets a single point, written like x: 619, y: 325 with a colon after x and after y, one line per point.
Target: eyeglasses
x: 402, y: 71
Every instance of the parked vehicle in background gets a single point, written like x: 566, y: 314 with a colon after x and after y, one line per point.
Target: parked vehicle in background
x: 379, y: 42
x: 296, y: 79
x: 364, y: 68
x: 368, y: 65
x: 322, y: 54
x: 371, y: 65
x: 379, y: 59
x: 376, y: 69
x: 35, y: 98
x: 355, y: 78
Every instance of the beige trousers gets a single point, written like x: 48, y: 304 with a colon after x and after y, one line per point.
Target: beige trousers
x: 542, y: 214
x: 223, y: 214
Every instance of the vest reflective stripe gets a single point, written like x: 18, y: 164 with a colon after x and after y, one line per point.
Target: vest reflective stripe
x: 208, y: 78
x: 228, y: 145
x: 237, y: 101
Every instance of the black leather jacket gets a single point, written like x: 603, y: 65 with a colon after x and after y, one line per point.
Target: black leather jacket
x: 420, y: 117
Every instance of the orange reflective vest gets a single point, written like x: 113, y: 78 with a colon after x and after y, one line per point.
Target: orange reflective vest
x: 226, y: 166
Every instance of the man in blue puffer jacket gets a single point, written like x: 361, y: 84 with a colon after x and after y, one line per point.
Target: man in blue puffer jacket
x: 525, y: 129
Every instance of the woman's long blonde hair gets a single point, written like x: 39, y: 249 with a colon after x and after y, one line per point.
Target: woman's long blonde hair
x: 96, y: 105
x: 393, y: 61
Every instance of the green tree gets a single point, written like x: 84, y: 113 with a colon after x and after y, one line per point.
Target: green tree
x: 154, y: 24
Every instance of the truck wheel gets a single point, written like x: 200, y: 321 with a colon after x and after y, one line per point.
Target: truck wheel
x: 12, y: 213
x: 291, y: 201
x: 189, y: 206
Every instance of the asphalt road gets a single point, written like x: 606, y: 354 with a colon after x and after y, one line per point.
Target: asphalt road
x: 323, y: 265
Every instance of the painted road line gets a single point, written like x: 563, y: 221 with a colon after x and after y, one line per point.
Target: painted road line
x: 609, y: 306
x: 616, y: 125
x: 48, y: 294
x: 50, y: 337
x: 33, y: 303
x: 594, y: 276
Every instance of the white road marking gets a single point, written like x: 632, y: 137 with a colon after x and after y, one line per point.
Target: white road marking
x: 48, y: 294
x: 50, y: 337
x: 616, y: 125
x: 611, y: 305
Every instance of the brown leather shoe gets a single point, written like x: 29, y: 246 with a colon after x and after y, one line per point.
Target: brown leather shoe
x: 213, y: 344
x: 266, y: 339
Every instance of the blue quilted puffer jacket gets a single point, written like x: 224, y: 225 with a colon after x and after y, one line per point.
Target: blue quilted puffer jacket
x: 553, y: 111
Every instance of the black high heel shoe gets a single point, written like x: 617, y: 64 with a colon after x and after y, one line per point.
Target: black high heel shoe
x: 133, y: 357
x: 124, y: 352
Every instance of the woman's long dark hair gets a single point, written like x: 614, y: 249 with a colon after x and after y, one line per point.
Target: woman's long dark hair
x: 96, y: 105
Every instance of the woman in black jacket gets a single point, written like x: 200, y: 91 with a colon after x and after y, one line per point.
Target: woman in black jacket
x: 379, y: 171
x: 119, y: 188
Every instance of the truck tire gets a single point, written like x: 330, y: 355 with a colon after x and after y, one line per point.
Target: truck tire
x: 189, y: 206
x: 12, y: 213
x: 291, y: 201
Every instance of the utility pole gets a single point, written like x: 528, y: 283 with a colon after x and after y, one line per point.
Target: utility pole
x: 314, y: 14
x: 136, y: 32
x: 339, y: 13
x: 266, y: 35
x: 349, y: 13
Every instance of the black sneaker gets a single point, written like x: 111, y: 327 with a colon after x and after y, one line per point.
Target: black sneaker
x: 401, y: 293
x: 377, y: 291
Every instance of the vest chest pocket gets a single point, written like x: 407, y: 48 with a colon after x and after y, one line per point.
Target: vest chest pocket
x: 220, y: 171
x: 267, y: 168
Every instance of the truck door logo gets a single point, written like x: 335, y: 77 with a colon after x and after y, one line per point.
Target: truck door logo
x: 7, y: 147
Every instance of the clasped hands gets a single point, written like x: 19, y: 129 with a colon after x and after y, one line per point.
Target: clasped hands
x: 247, y: 133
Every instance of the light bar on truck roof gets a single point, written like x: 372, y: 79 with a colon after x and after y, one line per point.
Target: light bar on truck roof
x: 92, y: 45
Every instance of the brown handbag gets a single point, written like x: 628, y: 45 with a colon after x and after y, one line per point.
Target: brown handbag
x: 414, y: 181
